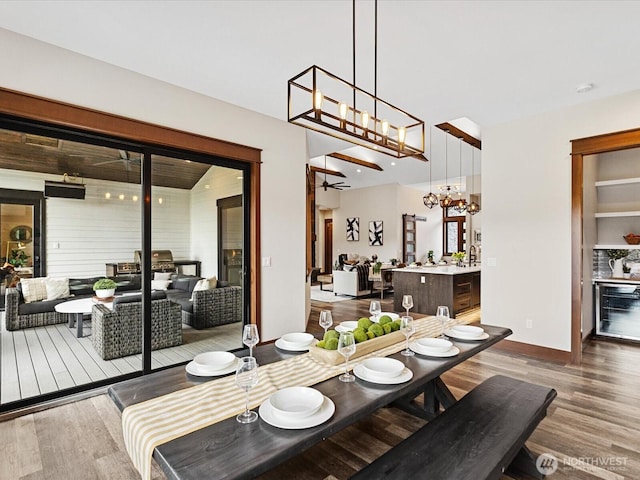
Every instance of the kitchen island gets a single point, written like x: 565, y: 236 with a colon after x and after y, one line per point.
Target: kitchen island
x: 456, y: 287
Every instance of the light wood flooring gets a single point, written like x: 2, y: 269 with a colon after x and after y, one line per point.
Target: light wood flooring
x: 40, y: 360
x: 594, y: 419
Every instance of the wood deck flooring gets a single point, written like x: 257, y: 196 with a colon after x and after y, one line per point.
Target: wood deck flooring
x: 593, y: 427
x: 35, y: 361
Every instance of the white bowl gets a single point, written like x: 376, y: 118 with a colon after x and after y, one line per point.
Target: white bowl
x: 435, y: 344
x: 296, y: 402
x: 210, y: 361
x: 350, y: 325
x: 468, y: 330
x: 298, y: 339
x: 382, y: 367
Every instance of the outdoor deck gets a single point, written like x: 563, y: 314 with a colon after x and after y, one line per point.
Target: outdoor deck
x: 41, y: 360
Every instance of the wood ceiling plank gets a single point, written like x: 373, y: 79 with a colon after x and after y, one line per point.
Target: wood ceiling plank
x: 456, y: 132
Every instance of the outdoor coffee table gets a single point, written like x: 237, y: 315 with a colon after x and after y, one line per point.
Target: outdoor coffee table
x: 77, y: 309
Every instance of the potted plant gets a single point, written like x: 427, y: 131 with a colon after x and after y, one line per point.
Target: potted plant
x: 377, y: 267
x: 458, y: 256
x: 18, y: 258
x: 105, y: 288
x: 626, y: 271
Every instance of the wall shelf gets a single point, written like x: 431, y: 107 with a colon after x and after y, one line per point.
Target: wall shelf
x: 634, y: 213
x: 622, y: 246
x: 619, y: 181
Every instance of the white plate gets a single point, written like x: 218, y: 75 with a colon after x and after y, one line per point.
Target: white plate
x: 287, y: 347
x: 452, y: 352
x: 405, y: 376
x: 458, y: 336
x: 391, y: 314
x: 192, y: 369
x: 325, y: 412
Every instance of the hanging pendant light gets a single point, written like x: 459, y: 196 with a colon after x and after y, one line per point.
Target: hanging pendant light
x: 460, y: 205
x: 430, y: 200
x: 447, y: 200
x: 473, y: 207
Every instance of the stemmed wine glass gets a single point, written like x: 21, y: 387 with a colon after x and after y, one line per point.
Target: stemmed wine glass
x: 375, y: 309
x: 407, y: 303
x: 346, y: 347
x: 246, y: 378
x: 442, y: 315
x: 326, y: 320
x: 407, y: 327
x: 250, y: 337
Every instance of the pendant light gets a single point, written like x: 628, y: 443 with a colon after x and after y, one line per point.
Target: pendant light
x: 473, y: 207
x: 430, y: 200
x: 446, y: 201
x: 460, y: 205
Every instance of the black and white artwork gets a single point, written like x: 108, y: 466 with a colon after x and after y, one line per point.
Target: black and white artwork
x: 375, y: 233
x: 353, y: 229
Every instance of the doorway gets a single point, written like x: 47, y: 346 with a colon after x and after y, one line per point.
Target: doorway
x: 328, y: 246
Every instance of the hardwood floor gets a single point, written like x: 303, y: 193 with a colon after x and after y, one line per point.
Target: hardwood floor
x: 593, y: 426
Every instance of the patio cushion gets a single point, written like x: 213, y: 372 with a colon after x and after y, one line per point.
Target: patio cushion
x: 43, y: 306
x: 137, y: 297
x: 33, y: 289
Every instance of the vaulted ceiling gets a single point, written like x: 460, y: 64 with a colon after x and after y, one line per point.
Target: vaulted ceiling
x: 490, y: 61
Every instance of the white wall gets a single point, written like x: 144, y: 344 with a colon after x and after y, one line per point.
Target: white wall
x: 526, y: 224
x: 66, y: 76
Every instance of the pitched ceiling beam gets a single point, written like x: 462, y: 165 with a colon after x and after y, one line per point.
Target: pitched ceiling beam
x: 456, y: 132
x: 335, y: 173
x: 357, y: 161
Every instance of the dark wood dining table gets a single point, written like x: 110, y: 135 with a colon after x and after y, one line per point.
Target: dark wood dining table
x: 230, y: 450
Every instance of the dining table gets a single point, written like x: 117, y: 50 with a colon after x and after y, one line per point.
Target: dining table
x: 230, y: 450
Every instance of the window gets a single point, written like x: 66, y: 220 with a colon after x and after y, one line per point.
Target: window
x: 454, y: 231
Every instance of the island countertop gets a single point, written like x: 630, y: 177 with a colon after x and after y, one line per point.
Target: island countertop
x: 439, y: 269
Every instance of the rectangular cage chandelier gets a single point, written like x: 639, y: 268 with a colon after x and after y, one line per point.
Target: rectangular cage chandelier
x: 321, y: 101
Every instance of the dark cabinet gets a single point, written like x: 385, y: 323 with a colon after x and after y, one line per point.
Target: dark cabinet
x: 459, y: 292
x: 618, y: 310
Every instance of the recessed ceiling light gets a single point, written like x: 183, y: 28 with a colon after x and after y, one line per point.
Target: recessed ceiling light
x: 358, y: 170
x: 393, y: 163
x: 584, y: 87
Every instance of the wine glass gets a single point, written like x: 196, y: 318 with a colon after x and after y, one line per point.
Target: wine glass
x: 346, y: 347
x: 375, y: 309
x: 442, y: 315
x: 326, y: 320
x: 407, y: 327
x: 407, y: 303
x: 250, y: 337
x: 246, y: 378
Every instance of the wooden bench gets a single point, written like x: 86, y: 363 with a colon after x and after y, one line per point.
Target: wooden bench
x: 477, y: 438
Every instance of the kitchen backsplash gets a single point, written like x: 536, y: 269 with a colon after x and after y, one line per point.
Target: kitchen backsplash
x: 601, y: 267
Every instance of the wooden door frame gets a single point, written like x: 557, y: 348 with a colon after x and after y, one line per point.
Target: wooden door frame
x: 53, y: 112
x: 609, y: 142
x: 329, y: 261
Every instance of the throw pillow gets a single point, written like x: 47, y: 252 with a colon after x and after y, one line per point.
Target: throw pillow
x: 33, y: 289
x: 160, y: 284
x: 203, y: 284
x: 213, y: 282
x: 162, y: 276
x: 56, y: 288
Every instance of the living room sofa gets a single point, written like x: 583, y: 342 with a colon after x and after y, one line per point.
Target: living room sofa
x: 117, y: 332
x: 19, y: 314
x: 205, y: 308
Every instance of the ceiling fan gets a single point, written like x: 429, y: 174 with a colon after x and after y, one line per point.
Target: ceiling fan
x: 124, y: 158
x: 326, y: 185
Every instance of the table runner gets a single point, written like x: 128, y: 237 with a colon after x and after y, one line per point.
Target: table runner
x: 160, y: 420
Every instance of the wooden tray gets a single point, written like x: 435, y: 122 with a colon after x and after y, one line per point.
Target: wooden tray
x: 332, y: 357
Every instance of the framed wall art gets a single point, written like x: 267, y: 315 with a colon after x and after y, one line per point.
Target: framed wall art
x: 353, y: 229
x: 375, y: 233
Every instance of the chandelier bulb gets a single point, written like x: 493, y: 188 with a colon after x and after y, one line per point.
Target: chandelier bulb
x: 385, y: 127
x: 402, y: 134
x: 364, y: 116
x: 317, y: 100
x: 343, y: 110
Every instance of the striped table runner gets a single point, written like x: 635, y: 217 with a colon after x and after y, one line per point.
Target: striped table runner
x: 160, y: 420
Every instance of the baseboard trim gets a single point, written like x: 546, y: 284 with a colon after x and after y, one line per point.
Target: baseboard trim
x: 542, y: 353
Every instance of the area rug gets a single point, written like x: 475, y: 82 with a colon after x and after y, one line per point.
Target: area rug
x: 326, y: 294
